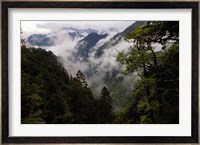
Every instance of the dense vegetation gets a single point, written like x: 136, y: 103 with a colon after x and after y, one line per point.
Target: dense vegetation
x: 156, y: 95
x: 51, y: 95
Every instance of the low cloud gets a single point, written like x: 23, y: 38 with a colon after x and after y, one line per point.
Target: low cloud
x: 65, y: 47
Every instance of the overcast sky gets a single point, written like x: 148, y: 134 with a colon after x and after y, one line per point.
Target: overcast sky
x: 31, y: 27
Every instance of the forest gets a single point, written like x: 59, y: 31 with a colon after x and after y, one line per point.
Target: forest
x: 50, y: 95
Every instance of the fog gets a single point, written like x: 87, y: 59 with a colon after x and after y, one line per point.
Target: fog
x: 65, y: 47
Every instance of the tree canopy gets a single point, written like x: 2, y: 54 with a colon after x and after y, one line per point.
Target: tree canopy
x: 50, y: 96
x: 156, y: 94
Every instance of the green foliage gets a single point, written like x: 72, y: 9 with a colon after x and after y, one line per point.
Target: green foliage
x: 105, y: 112
x: 81, y: 78
x: 83, y: 103
x: 43, y: 80
x: 156, y: 95
x: 155, y: 32
x: 50, y: 96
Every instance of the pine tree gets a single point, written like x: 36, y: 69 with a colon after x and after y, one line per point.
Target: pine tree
x: 105, y: 96
x: 81, y: 78
x: 105, y: 107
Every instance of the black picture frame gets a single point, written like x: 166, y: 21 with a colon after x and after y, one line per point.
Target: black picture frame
x: 99, y: 5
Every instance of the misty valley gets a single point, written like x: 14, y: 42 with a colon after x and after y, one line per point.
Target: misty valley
x: 99, y: 72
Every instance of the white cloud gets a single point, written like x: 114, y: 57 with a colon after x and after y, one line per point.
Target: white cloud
x: 65, y: 47
x: 30, y: 27
x: 49, y: 26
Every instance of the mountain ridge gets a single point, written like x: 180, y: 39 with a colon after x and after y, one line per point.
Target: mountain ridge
x: 84, y: 45
x: 87, y: 40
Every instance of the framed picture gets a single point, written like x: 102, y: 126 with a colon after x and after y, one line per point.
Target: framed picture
x: 100, y: 72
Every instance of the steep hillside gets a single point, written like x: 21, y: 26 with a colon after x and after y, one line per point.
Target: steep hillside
x: 117, y: 38
x: 94, y: 53
x: 84, y: 45
x: 50, y: 96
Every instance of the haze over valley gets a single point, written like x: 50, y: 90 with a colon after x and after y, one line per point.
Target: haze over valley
x: 91, y: 47
x: 100, y: 72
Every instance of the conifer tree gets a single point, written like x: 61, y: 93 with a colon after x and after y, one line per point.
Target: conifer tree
x: 151, y: 97
x: 105, y: 108
x: 81, y: 78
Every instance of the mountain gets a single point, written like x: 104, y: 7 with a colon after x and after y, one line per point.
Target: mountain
x: 87, y: 43
x: 50, y: 96
x: 117, y: 38
x: 78, y: 33
x: 75, y: 34
x: 117, y: 86
x: 93, y: 52
x: 78, y: 78
x: 48, y: 39
x: 40, y: 40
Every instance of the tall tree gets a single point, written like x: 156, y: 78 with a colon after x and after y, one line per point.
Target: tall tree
x: 81, y: 78
x: 149, y: 98
x: 83, y: 102
x: 44, y: 88
x: 105, y: 107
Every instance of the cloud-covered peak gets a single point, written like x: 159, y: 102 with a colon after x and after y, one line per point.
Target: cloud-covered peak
x: 77, y: 43
x: 40, y: 40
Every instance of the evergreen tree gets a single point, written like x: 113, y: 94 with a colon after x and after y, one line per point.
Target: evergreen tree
x: 44, y: 88
x: 152, y: 92
x: 81, y: 78
x: 83, y: 102
x: 50, y: 95
x: 105, y: 107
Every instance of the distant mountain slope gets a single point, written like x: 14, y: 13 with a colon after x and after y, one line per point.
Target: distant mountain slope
x: 94, y: 49
x: 117, y: 86
x: 116, y: 38
x: 49, y: 39
x: 40, y: 40
x: 78, y: 33
x: 50, y: 96
x: 87, y: 43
